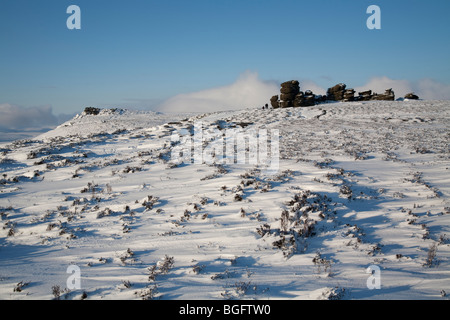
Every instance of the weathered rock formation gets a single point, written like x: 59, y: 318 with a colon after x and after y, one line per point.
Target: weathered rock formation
x: 336, y: 93
x: 388, y: 95
x: 411, y: 96
x: 365, y: 95
x: 305, y: 99
x: 339, y: 93
x: 289, y: 90
x: 274, y: 102
x: 349, y: 95
x: 309, y: 99
x: 291, y: 96
x: 91, y: 111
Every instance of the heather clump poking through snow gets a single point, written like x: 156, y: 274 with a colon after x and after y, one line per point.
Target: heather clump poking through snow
x: 300, y: 222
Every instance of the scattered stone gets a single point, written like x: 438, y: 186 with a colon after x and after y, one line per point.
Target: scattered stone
x: 411, y: 96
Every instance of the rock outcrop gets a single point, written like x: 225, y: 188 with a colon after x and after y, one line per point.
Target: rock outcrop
x: 337, y: 92
x: 365, y: 95
x: 289, y: 91
x: 305, y: 99
x: 340, y: 93
x: 387, y: 95
x: 275, y: 102
x: 349, y: 95
x: 291, y: 96
x: 309, y: 99
x: 91, y: 111
x: 411, y: 96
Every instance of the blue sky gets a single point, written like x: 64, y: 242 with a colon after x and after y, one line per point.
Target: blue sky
x: 143, y: 52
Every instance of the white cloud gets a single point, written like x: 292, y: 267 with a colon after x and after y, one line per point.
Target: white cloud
x: 13, y: 117
x: 427, y: 89
x: 430, y: 89
x: 247, y: 91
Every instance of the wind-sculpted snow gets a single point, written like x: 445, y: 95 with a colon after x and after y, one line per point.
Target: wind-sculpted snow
x: 360, y: 186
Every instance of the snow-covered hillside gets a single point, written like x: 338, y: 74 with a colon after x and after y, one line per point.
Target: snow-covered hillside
x: 359, y: 185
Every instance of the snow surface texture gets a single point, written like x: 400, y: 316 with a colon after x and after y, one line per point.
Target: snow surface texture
x: 359, y: 185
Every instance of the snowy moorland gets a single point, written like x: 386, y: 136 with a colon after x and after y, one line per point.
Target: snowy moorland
x: 360, y: 186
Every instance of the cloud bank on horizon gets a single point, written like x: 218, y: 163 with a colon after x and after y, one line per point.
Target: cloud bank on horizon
x: 15, y: 117
x: 250, y: 91
x: 247, y: 91
x: 18, y: 122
